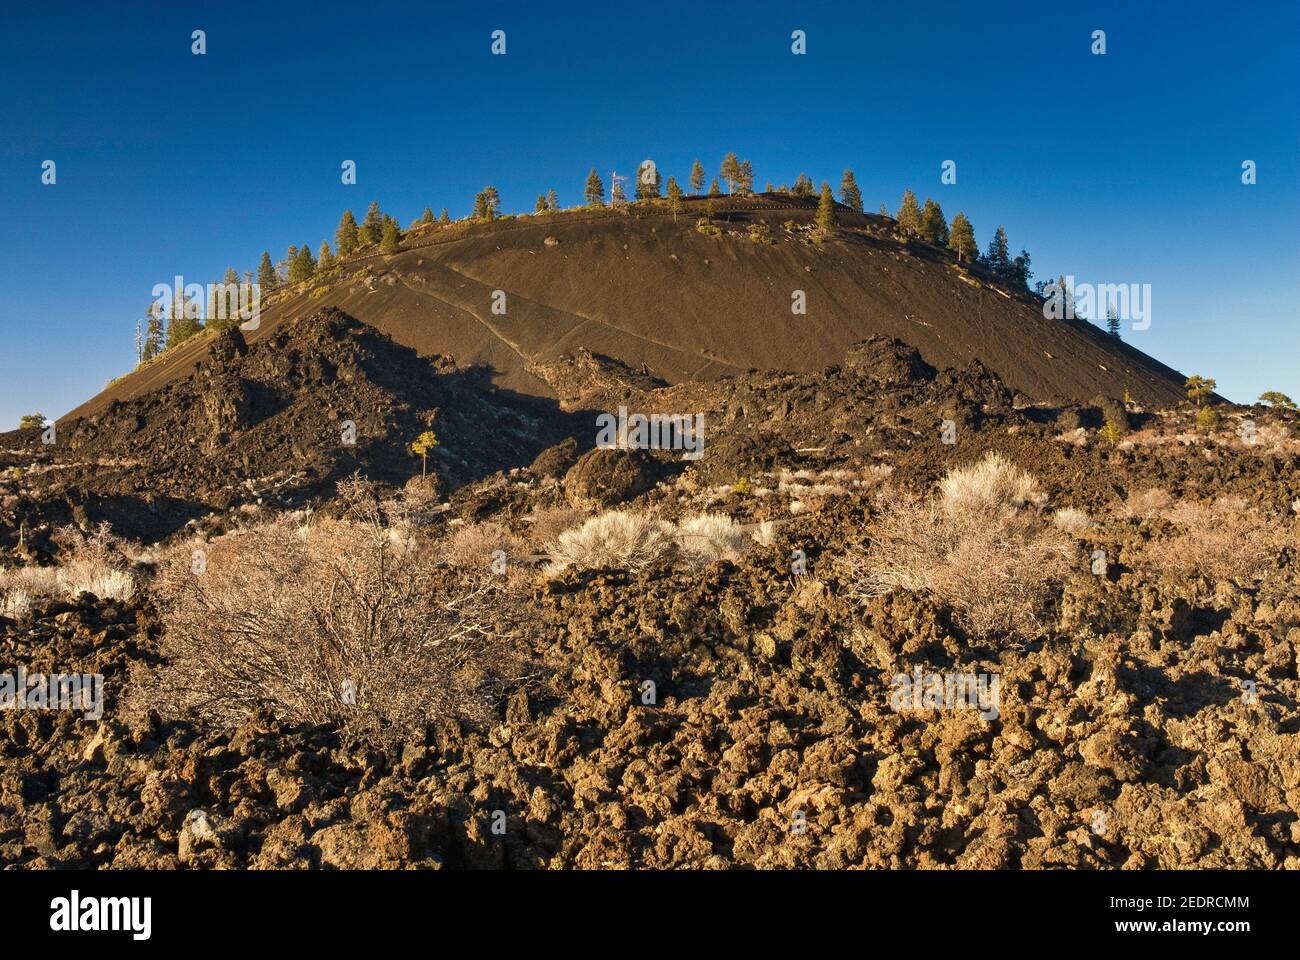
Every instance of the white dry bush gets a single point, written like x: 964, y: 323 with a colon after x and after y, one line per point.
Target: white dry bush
x: 978, y: 549
x: 104, y: 582
x: 709, y: 537
x: 1076, y: 438
x: 1140, y: 504
x: 343, y: 624
x: 875, y: 474
x: 995, y: 483
x: 765, y: 533
x: 1223, y: 540
x: 34, y: 582
x: 97, y: 563
x: 1071, y: 520
x: 623, y: 539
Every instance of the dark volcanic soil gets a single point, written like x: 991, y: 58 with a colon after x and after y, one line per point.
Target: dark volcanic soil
x: 646, y: 288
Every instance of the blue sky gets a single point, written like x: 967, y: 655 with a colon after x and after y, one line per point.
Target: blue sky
x: 1118, y: 168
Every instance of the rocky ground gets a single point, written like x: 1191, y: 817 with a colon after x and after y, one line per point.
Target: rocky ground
x: 1154, y: 721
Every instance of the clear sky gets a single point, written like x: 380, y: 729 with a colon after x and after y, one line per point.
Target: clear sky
x: 1122, y: 168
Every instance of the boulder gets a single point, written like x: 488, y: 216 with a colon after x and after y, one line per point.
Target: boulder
x: 604, y: 477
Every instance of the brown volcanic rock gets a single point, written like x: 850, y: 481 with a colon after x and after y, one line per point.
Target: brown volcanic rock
x: 887, y: 360
x: 282, y: 419
x: 605, y: 477
x: 554, y: 462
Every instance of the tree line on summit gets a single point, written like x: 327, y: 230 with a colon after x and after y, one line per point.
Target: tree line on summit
x: 166, y: 325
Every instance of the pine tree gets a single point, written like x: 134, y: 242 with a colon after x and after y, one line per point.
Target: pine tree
x: 746, y: 177
x: 427, y: 216
x: 674, y: 196
x: 934, y: 228
x: 183, y: 321
x: 884, y: 212
x: 909, y: 213
x: 302, y: 265
x: 850, y: 195
x: 998, y: 256
x: 552, y: 200
x: 325, y: 258
x: 347, y: 238
x: 391, y: 238
x: 154, y: 333
x: 826, y: 217
x: 961, y: 238
x: 1275, y: 398
x: 267, y: 279
x: 1020, y: 272
x: 1112, y: 321
x: 803, y: 186
x: 372, y: 228
x: 1068, y: 306
x: 697, y: 177
x: 540, y: 206
x: 223, y: 302
x: 616, y: 195
x: 714, y: 189
x: 445, y: 218
x: 486, y: 203
x: 594, y: 191
x: 730, y: 171
x: 648, y: 191
x: 1199, y: 387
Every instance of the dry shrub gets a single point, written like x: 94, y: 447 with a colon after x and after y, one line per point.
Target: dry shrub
x: 1274, y: 438
x: 618, y: 538
x: 545, y: 524
x: 1141, y: 504
x: 472, y: 547
x: 96, y: 563
x: 977, y: 549
x: 1072, y: 521
x: 765, y: 533
x: 31, y: 582
x: 709, y: 537
x: 1219, y: 541
x: 336, y: 623
x: 106, y: 583
x: 14, y: 603
x: 995, y: 483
